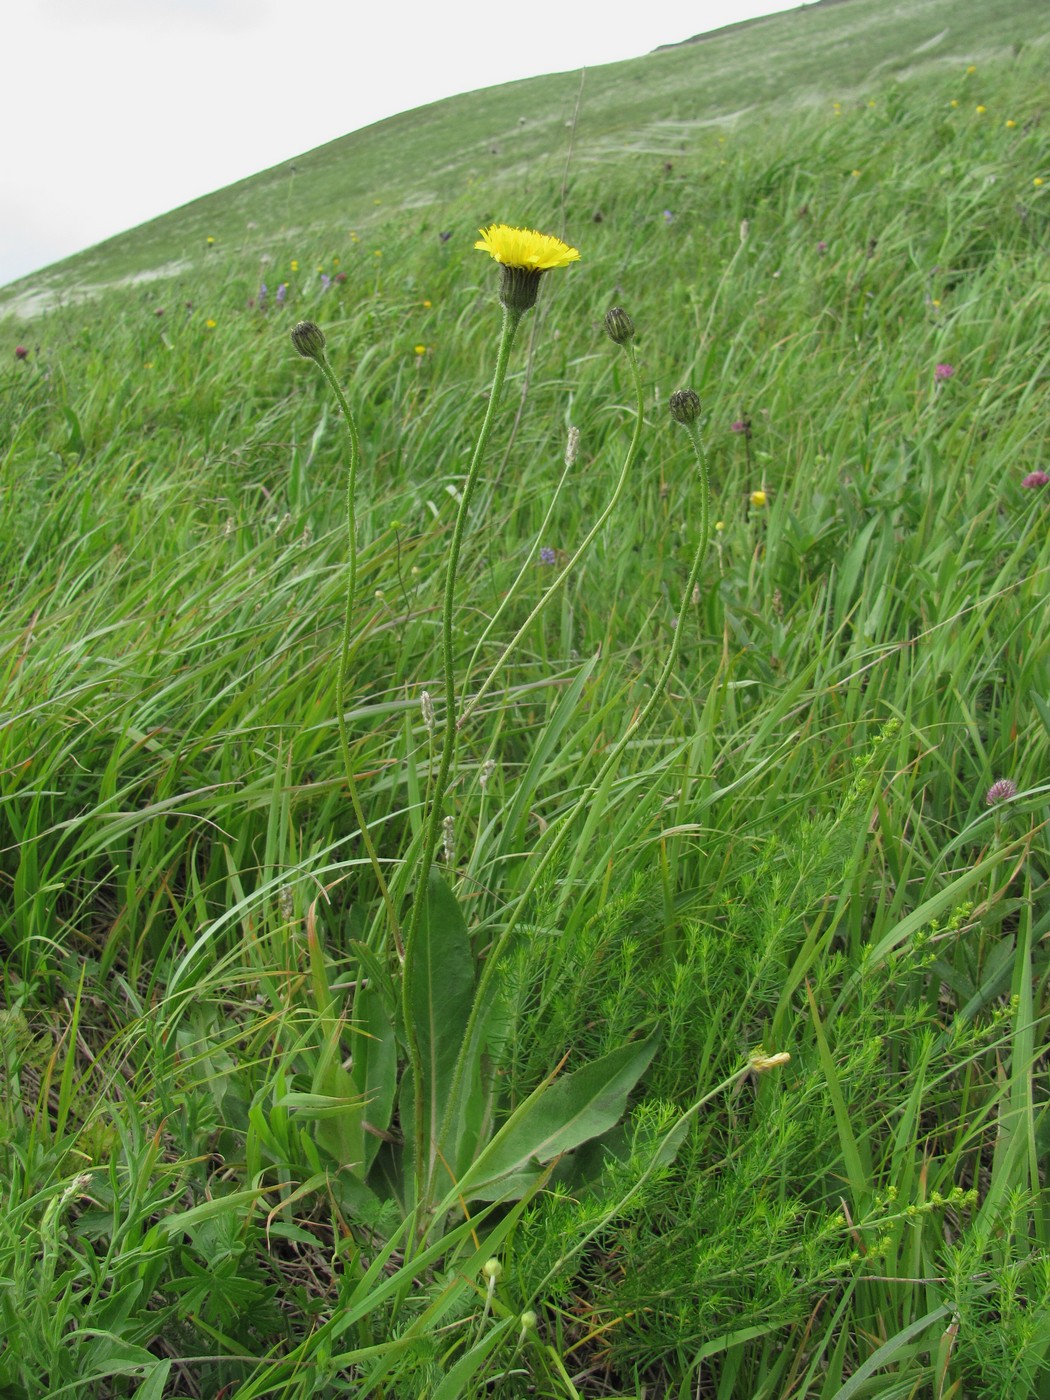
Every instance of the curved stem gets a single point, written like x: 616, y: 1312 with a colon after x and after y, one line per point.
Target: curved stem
x: 632, y: 453
x: 432, y: 820
x: 344, y: 650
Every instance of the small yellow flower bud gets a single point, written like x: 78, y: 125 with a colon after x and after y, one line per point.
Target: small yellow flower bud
x: 309, y: 340
x: 685, y: 406
x: 528, y: 1321
x: 758, y: 499
x: 760, y: 1061
x: 492, y: 1269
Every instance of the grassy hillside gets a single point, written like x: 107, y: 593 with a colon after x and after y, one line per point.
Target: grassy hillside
x: 712, y: 1061
x: 426, y: 165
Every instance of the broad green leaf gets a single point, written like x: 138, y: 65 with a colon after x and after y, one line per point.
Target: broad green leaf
x: 555, y: 1118
x: 439, y: 987
x: 375, y: 1065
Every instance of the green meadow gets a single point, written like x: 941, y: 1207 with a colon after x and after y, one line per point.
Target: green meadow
x: 690, y: 1038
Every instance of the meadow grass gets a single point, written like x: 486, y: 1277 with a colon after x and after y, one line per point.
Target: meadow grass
x: 210, y: 1051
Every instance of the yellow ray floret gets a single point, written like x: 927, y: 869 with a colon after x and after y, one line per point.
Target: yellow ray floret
x: 524, y: 247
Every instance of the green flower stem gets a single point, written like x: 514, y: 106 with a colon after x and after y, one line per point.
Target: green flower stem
x: 432, y: 820
x: 344, y: 653
x: 632, y: 453
x: 563, y: 828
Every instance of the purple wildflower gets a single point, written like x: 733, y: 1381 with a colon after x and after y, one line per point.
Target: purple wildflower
x: 326, y: 281
x: 943, y: 372
x: 21, y: 352
x: 1034, y: 480
x: 822, y: 247
x: 1001, y: 791
x: 668, y: 217
x: 547, y: 555
x: 445, y: 237
x: 282, y: 292
x: 263, y: 293
x: 740, y: 426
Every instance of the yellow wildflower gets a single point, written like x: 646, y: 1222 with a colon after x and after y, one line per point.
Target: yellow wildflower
x: 428, y: 304
x: 981, y: 111
x: 720, y: 525
x: 209, y: 239
x: 954, y: 102
x: 855, y: 174
x: 758, y: 499
x: 295, y: 264
x: 525, y: 248
x: 210, y: 325
x: 1037, y: 181
x: 421, y: 349
x: 972, y: 68
x: 1010, y: 124
x: 524, y: 255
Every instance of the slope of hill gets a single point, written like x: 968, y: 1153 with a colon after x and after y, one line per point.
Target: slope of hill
x: 499, y: 139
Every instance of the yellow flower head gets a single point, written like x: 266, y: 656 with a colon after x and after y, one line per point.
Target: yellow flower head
x: 524, y: 255
x: 1037, y: 182
x: 758, y: 499
x: 295, y: 264
x: 210, y: 325
x: 209, y: 239
x: 421, y: 349
x: 525, y: 248
x: 981, y: 111
x: 1010, y: 123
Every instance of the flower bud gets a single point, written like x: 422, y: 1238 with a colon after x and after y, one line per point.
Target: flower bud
x: 426, y: 704
x: 618, y: 326
x: 492, y: 1269
x: 685, y: 406
x: 572, y: 447
x: 309, y: 340
x: 528, y: 1321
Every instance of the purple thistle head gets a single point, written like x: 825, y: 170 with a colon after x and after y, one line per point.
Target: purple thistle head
x: 1034, y: 480
x: 547, y: 555
x: 1000, y: 791
x: 21, y: 352
x: 738, y: 427
x: 942, y: 373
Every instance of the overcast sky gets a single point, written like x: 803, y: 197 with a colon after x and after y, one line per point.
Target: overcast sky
x: 119, y: 110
